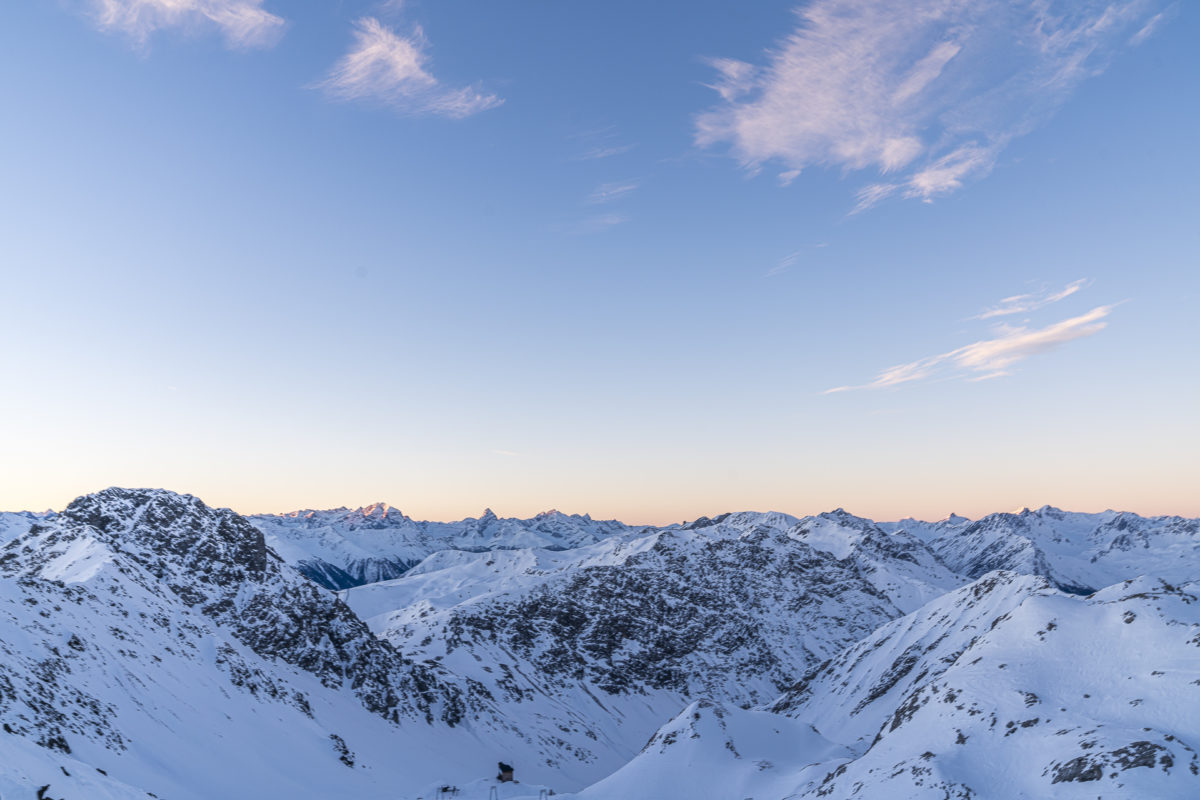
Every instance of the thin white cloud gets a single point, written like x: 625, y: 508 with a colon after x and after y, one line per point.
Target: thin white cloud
x: 925, y: 92
x: 990, y: 358
x: 610, y: 192
x: 1024, y: 303
x: 787, y: 176
x: 387, y: 68
x: 785, y: 263
x: 243, y: 23
x: 1151, y: 27
x: 600, y: 223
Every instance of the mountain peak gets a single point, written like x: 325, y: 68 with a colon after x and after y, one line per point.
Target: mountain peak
x: 378, y: 510
x: 169, y: 532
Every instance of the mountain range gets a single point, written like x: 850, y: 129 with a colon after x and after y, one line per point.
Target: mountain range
x: 152, y: 645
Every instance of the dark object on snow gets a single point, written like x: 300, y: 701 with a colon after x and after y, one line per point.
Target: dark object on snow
x: 506, y: 773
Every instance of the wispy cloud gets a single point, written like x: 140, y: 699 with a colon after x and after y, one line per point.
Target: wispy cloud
x: 790, y: 260
x: 611, y: 192
x: 990, y: 358
x: 243, y: 23
x: 1024, y: 303
x: 603, y: 142
x: 1151, y: 27
x: 600, y: 223
x: 926, y: 93
x: 392, y: 70
x: 785, y: 263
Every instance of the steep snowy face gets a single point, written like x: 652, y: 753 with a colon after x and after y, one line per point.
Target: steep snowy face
x: 342, y: 548
x: 1060, y: 697
x: 851, y: 695
x: 1077, y: 552
x: 176, y: 549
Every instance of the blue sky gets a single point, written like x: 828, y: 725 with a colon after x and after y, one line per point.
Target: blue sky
x: 605, y: 257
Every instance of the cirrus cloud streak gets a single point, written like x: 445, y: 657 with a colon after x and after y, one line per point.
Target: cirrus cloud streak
x: 990, y: 358
x: 1024, y: 303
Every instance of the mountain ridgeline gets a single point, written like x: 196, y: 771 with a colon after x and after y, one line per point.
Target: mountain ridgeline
x: 151, y: 644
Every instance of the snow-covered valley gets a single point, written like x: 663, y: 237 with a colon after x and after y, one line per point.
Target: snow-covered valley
x: 153, y: 646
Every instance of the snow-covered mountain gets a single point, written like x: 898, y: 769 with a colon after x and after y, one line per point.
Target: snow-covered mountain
x: 597, y: 645
x: 1003, y: 688
x: 149, y: 643
x: 342, y: 548
x: 1077, y: 552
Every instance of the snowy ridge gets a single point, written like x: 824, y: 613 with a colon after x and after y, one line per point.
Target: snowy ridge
x: 1077, y: 552
x: 343, y: 548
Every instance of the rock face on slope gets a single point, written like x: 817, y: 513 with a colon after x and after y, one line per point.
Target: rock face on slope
x: 215, y: 562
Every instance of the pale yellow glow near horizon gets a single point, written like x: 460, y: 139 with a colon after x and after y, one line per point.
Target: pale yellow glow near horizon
x: 636, y: 504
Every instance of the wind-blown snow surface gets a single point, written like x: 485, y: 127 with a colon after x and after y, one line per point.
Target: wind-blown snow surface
x: 149, y: 643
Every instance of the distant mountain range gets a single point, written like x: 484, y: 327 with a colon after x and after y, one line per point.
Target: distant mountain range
x: 151, y: 644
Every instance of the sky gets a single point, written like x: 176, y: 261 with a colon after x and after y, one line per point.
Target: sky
x: 642, y: 260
